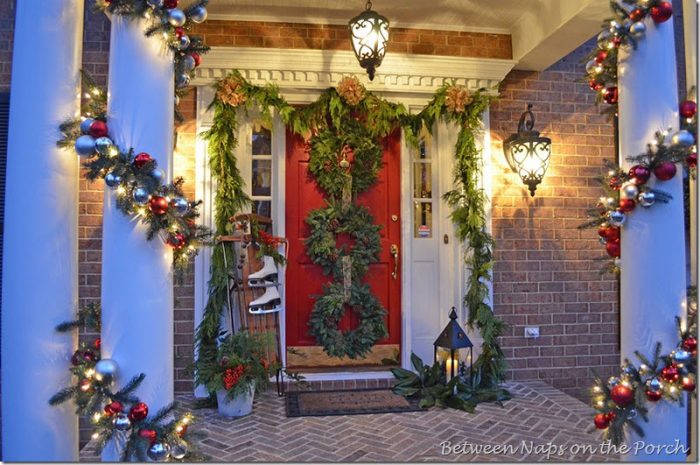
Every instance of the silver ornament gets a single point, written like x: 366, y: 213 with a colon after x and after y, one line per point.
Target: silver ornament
x: 638, y: 29
x: 177, y: 100
x: 684, y: 138
x: 617, y: 262
x: 113, y: 180
x: 646, y: 199
x: 85, y: 125
x: 85, y: 146
x: 616, y: 218
x: 183, y: 80
x: 604, y: 39
x: 121, y: 422
x: 158, y: 174
x: 681, y: 357
x: 643, y: 369
x: 629, y: 191
x: 106, y: 370
x: 188, y: 63
x: 198, y: 15
x: 183, y: 42
x: 158, y: 452
x: 140, y: 196
x: 615, y: 28
x: 590, y: 66
x: 104, y: 145
x: 632, y: 413
x: 179, y: 450
x: 181, y: 205
x: 613, y: 381
x: 602, y: 240
x: 155, y: 3
x: 654, y: 384
x: 176, y: 17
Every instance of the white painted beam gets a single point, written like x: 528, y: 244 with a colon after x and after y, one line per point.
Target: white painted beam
x: 40, y: 256
x: 550, y: 29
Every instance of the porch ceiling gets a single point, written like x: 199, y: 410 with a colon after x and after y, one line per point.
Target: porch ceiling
x: 542, y: 31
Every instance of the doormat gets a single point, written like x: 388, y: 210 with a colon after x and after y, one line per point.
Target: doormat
x: 347, y: 402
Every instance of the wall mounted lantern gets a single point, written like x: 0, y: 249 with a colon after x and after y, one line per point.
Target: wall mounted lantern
x: 453, y: 348
x: 369, y: 35
x: 527, y: 153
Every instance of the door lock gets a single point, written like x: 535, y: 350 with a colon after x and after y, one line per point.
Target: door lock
x: 446, y: 239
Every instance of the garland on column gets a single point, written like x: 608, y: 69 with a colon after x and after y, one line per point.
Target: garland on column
x: 623, y: 398
x: 174, y: 25
x: 121, y: 414
x: 336, y: 157
x: 137, y: 181
x: 623, y: 30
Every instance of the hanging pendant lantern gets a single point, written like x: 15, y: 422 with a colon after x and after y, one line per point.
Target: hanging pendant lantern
x: 527, y: 153
x: 369, y: 35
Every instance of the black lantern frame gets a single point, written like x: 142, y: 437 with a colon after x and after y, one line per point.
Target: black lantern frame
x: 369, y: 36
x: 453, y: 338
x: 527, y: 153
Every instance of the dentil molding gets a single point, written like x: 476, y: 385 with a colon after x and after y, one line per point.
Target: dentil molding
x: 319, y: 69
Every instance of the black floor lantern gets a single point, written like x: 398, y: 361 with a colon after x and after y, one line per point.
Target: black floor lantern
x: 453, y: 348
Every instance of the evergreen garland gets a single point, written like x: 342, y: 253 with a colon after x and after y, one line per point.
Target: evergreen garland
x: 333, y: 109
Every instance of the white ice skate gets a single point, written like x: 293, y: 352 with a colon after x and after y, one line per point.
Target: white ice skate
x: 266, y: 276
x: 269, y: 302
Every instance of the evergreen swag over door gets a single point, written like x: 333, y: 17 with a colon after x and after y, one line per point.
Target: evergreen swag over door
x: 364, y: 118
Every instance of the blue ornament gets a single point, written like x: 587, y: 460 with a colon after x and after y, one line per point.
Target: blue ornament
x: 141, y: 196
x: 85, y: 125
x: 113, y: 180
x: 181, y: 205
x: 85, y: 146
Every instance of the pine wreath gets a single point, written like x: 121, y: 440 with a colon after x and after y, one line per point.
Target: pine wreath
x: 354, y: 221
x: 327, y: 154
x: 328, y: 311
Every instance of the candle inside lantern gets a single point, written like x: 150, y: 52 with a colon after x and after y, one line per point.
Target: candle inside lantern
x: 449, y: 363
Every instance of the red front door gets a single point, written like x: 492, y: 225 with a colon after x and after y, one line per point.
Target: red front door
x: 304, y: 280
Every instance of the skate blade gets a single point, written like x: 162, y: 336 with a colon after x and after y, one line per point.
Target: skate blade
x: 264, y: 312
x: 262, y: 282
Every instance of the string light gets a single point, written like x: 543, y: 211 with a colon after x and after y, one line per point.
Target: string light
x: 121, y: 190
x: 90, y: 373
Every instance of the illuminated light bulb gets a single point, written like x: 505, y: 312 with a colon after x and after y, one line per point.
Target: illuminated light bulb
x: 95, y: 435
x: 191, y: 248
x: 96, y: 417
x: 673, y: 389
x: 597, y: 389
x: 90, y: 373
x: 600, y: 403
x: 186, y: 420
x: 86, y: 95
x: 626, y: 383
x: 611, y: 173
x: 86, y: 387
x: 96, y: 91
x: 178, y: 429
x: 167, y: 199
x: 121, y: 190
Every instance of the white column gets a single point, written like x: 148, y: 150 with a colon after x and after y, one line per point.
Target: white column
x: 40, y: 256
x: 653, y: 279
x: 137, y: 285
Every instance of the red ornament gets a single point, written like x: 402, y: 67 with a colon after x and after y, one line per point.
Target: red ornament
x: 149, y: 435
x: 617, y: 41
x: 610, y: 95
x: 637, y: 14
x: 627, y: 205
x: 661, y: 12
x: 665, y: 171
x: 197, y: 58
x: 670, y: 374
x: 692, y: 160
x: 653, y: 396
x: 141, y: 159
x: 98, y: 129
x: 601, y: 56
x: 601, y: 421
x: 613, y: 249
x: 170, y: 4
x: 86, y: 385
x: 595, y: 84
x: 611, y: 415
x: 97, y: 343
x: 622, y: 395
x: 176, y: 241
x: 603, y: 231
x: 182, y: 430
x: 138, y: 412
x: 640, y: 174
x: 158, y: 205
x: 690, y: 344
x: 113, y: 408
x: 179, y: 32
x: 688, y: 109
x: 89, y: 356
x: 615, y: 183
x: 688, y: 383
x: 612, y: 234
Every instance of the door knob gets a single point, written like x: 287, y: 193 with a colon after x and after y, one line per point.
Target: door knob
x: 395, y: 255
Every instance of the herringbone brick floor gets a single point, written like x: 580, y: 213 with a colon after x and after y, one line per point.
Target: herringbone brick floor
x: 538, y: 419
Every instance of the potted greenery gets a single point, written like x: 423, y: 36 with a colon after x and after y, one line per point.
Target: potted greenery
x: 241, y: 368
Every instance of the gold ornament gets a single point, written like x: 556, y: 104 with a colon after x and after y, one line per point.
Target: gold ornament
x: 230, y: 92
x: 457, y: 99
x: 351, y: 90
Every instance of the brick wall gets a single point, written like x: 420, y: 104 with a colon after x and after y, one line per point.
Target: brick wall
x: 545, y: 274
